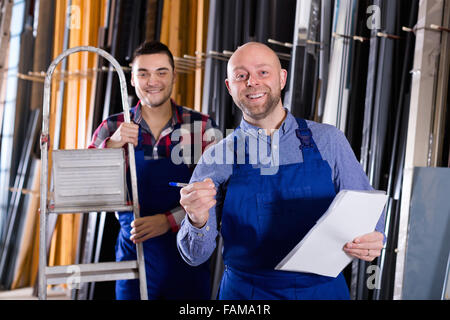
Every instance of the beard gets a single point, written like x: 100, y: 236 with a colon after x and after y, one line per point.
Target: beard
x: 258, y: 112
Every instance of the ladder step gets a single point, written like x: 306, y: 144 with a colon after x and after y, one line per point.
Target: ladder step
x: 87, y: 209
x: 89, y: 177
x: 92, y: 272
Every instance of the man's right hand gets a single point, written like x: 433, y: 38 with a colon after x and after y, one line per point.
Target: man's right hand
x: 197, y: 198
x: 127, y: 132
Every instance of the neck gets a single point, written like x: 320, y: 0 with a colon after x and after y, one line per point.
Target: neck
x: 157, y: 117
x: 270, y: 122
x: 158, y: 114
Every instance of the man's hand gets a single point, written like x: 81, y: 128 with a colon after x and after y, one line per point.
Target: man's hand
x: 127, y: 132
x: 366, y: 247
x: 149, y: 227
x: 197, y: 198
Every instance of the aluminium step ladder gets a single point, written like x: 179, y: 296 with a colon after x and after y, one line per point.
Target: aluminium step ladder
x: 89, y: 180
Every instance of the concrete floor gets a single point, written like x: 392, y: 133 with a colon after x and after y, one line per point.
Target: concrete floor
x: 56, y: 293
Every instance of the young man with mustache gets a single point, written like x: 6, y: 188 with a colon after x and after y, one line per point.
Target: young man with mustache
x: 263, y: 216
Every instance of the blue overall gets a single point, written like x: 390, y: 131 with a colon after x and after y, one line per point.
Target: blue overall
x: 262, y: 223
x: 168, y: 276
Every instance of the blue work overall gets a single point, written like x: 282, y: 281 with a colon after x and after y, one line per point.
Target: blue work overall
x: 168, y: 276
x: 265, y: 216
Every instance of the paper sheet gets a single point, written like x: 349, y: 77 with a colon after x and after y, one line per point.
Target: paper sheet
x: 351, y: 214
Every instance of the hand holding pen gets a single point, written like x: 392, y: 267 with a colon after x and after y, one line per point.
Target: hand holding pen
x: 197, y: 198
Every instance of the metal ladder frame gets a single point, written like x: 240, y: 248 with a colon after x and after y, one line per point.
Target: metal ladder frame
x: 95, y: 271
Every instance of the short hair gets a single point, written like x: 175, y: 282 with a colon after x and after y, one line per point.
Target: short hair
x: 153, y: 47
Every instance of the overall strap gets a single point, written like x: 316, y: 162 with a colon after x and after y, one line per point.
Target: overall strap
x: 140, y: 139
x: 238, y: 147
x: 307, y: 145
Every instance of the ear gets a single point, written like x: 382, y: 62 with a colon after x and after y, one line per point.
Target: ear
x: 283, y: 78
x: 174, y: 76
x: 132, y: 78
x: 227, y: 84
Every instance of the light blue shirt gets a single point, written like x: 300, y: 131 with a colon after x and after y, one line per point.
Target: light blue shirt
x: 197, y: 244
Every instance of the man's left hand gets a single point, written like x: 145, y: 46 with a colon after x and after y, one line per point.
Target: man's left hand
x: 149, y: 227
x: 366, y: 247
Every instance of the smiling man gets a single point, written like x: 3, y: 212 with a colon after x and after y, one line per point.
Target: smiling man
x: 264, y: 216
x: 154, y: 119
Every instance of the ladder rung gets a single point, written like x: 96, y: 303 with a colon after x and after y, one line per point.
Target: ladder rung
x: 92, y: 272
x: 86, y: 209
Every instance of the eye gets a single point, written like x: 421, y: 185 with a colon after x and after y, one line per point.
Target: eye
x: 162, y: 73
x: 264, y: 72
x: 142, y: 74
x: 241, y: 76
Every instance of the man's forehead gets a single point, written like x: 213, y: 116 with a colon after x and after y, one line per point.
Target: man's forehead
x: 254, y: 55
x: 256, y: 66
x: 152, y: 61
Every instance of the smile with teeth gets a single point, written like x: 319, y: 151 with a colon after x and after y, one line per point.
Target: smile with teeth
x: 254, y: 96
x: 153, y: 90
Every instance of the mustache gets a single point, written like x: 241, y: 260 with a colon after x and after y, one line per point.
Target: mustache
x: 259, y: 90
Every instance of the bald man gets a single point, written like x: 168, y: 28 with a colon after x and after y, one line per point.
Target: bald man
x: 268, y: 183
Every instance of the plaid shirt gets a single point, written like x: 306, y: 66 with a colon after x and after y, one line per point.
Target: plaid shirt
x: 193, y: 123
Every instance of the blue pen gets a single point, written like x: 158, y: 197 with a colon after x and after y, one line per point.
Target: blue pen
x: 178, y: 184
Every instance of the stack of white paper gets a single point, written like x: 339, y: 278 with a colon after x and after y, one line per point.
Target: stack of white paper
x: 351, y: 214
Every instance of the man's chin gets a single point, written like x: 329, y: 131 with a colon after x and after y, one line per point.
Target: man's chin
x: 257, y: 113
x: 154, y: 104
x: 256, y: 116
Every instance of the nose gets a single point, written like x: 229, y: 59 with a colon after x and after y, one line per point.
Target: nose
x: 252, y: 81
x: 150, y: 79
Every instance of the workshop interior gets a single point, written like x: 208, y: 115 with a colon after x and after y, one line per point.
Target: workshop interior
x: 378, y: 70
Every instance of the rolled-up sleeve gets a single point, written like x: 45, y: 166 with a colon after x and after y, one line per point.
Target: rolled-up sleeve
x: 100, y: 136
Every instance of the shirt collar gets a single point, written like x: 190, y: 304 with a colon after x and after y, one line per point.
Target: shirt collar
x: 289, y: 123
x: 176, y: 115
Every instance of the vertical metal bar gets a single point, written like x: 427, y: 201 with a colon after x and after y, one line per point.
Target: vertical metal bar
x: 18, y: 186
x: 59, y: 105
x: 367, y: 127
x: 436, y: 147
x: 5, y: 24
x: 310, y: 64
x: 324, y: 55
x: 9, y: 107
x: 44, y: 142
x: 52, y: 219
x: 160, y: 6
x: 427, y: 42
x: 386, y: 261
x: 86, y: 249
x: 113, y: 45
x: 98, y: 246
x: 445, y: 288
x: 297, y: 56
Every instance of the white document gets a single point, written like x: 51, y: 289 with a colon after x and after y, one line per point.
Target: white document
x: 351, y: 214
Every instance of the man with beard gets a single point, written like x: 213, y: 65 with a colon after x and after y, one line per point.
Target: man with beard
x: 264, y: 213
x: 156, y: 119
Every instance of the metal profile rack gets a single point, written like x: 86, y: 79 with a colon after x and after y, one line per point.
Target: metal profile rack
x: 84, y: 181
